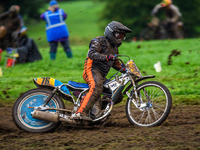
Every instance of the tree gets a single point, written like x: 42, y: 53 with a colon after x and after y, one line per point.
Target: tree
x: 136, y: 14
x: 190, y: 12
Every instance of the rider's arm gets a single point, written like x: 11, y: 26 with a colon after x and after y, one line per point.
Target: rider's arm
x: 94, y: 52
x: 176, y: 14
x: 155, y: 10
x: 117, y: 66
x: 155, y: 19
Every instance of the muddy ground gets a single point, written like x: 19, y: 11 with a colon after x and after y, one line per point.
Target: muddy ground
x: 180, y: 131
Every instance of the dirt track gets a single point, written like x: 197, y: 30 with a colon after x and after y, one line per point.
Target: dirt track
x: 180, y: 131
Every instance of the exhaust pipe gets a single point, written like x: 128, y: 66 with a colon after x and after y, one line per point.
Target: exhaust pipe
x: 51, y: 116
x: 45, y: 115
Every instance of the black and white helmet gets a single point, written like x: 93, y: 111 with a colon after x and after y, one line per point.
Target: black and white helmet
x: 116, y: 32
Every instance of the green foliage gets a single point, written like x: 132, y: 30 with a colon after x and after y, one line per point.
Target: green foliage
x: 190, y: 12
x: 136, y: 14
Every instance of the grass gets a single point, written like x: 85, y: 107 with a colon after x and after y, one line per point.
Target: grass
x: 181, y: 77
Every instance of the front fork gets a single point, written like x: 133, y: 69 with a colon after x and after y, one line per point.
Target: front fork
x: 137, y: 100
x: 131, y: 95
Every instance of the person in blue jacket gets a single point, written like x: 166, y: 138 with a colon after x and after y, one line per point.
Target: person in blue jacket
x: 56, y: 29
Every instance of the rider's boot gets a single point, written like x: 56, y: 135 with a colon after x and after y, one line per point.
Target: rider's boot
x: 84, y: 115
x: 96, y: 109
x: 87, y: 103
x: 81, y: 116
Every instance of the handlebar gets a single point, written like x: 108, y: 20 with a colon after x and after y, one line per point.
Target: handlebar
x: 123, y: 56
x: 123, y: 64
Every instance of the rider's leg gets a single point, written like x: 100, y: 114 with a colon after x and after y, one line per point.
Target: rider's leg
x: 95, y: 80
x: 177, y: 33
x: 96, y: 109
x: 172, y: 31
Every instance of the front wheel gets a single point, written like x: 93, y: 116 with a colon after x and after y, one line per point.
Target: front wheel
x: 153, y: 107
x: 23, y: 108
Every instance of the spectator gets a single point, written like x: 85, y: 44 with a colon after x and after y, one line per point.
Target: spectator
x: 10, y: 25
x: 56, y: 29
x: 172, y: 19
x: 26, y: 50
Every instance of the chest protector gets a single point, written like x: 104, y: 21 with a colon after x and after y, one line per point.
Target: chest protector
x: 55, y: 25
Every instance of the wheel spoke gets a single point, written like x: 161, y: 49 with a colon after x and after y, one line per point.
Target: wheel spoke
x: 140, y: 120
x: 162, y: 108
x: 156, y: 115
x: 149, y: 118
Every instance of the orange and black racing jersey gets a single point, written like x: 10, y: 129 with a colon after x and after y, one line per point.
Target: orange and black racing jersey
x: 99, y: 49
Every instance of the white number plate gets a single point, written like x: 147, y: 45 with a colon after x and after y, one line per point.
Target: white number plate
x: 113, y: 86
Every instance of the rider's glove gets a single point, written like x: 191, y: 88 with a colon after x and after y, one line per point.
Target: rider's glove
x: 111, y: 57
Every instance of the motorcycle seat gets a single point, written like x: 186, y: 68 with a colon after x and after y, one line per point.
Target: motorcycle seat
x: 77, y: 85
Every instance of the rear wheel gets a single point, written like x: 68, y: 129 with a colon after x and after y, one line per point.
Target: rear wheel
x: 154, y: 106
x: 23, y: 108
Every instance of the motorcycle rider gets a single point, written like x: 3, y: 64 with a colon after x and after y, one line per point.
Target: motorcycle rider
x: 172, y: 21
x: 100, y: 58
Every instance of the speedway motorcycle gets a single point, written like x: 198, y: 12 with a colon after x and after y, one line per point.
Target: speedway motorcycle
x: 42, y: 109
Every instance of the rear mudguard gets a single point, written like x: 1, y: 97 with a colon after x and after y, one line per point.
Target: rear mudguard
x: 51, y: 83
x: 136, y: 81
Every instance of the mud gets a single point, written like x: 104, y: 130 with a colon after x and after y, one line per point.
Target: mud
x: 180, y: 131
x: 175, y: 53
